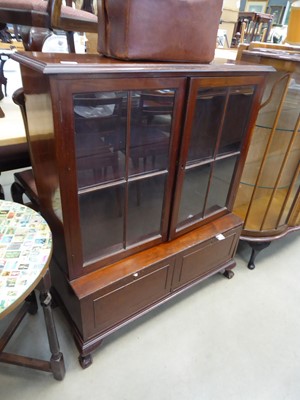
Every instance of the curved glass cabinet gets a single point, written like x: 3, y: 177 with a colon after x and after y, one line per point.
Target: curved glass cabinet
x: 268, y: 198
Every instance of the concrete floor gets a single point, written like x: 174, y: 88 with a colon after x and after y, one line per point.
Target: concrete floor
x: 235, y: 339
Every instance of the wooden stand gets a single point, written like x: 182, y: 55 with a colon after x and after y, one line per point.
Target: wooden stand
x: 23, y: 269
x: 56, y: 363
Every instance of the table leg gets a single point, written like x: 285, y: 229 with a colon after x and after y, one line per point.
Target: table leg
x: 56, y: 360
x: 3, y: 81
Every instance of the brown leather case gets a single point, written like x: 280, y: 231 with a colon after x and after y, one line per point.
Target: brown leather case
x: 162, y: 30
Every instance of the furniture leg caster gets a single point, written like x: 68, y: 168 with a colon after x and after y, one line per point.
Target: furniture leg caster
x: 85, y: 361
x: 228, y: 273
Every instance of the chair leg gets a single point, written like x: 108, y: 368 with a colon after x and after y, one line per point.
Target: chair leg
x: 24, y: 187
x: 3, y: 80
x: 2, y: 197
x: 70, y: 40
x: 17, y: 192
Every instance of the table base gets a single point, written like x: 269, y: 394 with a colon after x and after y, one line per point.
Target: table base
x: 56, y: 364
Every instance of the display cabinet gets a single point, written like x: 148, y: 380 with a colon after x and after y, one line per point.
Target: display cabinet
x: 136, y: 167
x: 268, y: 198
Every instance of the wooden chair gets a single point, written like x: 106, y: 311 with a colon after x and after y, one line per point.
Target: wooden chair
x: 46, y: 14
x: 3, y: 81
x: 17, y: 156
x: 14, y: 156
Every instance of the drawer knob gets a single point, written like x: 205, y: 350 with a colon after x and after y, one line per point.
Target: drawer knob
x: 135, y: 275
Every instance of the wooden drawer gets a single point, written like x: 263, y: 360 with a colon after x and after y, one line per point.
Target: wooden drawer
x: 117, y: 305
x: 205, y: 258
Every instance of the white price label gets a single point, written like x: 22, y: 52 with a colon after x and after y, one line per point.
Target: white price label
x: 220, y: 236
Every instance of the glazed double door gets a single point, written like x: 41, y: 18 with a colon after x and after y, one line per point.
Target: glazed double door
x: 154, y: 158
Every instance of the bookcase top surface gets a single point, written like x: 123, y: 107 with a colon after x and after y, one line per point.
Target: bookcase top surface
x: 67, y: 63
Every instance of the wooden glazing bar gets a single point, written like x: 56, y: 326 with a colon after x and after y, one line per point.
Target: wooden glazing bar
x: 283, y: 164
x: 288, y: 195
x: 265, y: 156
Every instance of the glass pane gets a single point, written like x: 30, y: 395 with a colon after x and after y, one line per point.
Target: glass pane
x: 206, y: 122
x: 101, y: 221
x: 290, y: 203
x: 99, y: 136
x: 151, y: 122
x: 275, y: 207
x: 270, y: 207
x: 220, y: 184
x: 193, y: 192
x: 290, y: 111
x: 234, y: 129
x: 242, y: 200
x: 282, y: 200
x: 276, y: 159
x: 145, y: 204
x: 258, y: 208
x: 267, y: 206
x: 266, y: 117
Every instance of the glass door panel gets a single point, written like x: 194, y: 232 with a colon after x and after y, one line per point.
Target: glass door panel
x: 101, y: 221
x: 206, y: 124
x: 150, y: 131
x: 236, y: 119
x: 122, y: 151
x: 193, y: 193
x: 220, y: 184
x: 215, y: 138
x: 99, y: 137
x: 145, y: 205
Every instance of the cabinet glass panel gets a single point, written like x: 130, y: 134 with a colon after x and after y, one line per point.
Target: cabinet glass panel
x: 122, y: 146
x: 194, y: 192
x: 236, y: 120
x: 207, y: 120
x: 150, y: 131
x: 272, y: 98
x: 101, y: 221
x: 293, y: 200
x: 220, y: 120
x: 220, y: 184
x: 99, y: 137
x: 145, y: 204
x: 275, y: 189
x: 270, y: 179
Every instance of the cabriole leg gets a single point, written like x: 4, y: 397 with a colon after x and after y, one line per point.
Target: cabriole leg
x: 256, y: 248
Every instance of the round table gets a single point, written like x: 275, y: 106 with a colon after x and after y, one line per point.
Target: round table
x: 25, y: 254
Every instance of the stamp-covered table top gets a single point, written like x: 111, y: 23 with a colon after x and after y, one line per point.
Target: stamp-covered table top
x: 25, y: 251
